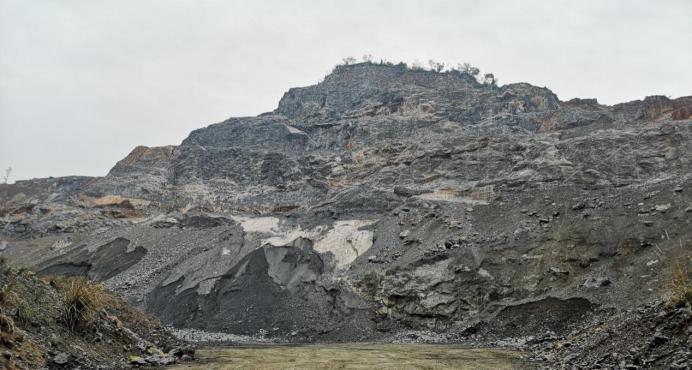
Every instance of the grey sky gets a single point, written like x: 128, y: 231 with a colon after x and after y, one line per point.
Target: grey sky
x: 83, y: 82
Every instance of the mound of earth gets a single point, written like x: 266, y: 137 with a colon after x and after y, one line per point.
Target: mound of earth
x: 66, y: 323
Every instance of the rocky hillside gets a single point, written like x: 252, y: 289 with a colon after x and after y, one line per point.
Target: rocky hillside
x: 382, y: 200
x: 656, y: 335
x: 67, y: 323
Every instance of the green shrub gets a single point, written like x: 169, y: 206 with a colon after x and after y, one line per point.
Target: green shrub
x: 26, y: 314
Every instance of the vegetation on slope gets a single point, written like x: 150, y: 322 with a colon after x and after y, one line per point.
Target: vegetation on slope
x: 70, y: 322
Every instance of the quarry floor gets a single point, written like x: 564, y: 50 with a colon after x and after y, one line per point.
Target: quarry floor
x: 356, y: 356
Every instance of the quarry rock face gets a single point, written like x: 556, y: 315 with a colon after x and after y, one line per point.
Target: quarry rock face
x: 382, y: 200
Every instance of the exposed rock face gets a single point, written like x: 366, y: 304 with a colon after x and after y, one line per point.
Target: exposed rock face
x: 382, y: 199
x: 655, y: 336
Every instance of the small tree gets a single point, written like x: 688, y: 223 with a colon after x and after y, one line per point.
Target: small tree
x: 436, y: 66
x: 7, y: 175
x: 349, y: 60
x: 489, y: 79
x: 367, y: 58
x: 416, y: 65
x: 469, y: 69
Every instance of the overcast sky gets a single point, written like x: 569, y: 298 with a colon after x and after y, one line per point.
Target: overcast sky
x: 84, y: 82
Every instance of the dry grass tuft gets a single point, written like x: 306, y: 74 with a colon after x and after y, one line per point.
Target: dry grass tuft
x: 6, y: 325
x: 8, y: 297
x: 679, y: 288
x: 83, y: 300
x: 20, y: 346
x: 26, y: 313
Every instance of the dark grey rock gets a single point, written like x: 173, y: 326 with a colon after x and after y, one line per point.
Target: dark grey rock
x: 379, y: 201
x: 61, y: 358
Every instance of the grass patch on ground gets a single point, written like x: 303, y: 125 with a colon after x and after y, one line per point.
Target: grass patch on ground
x: 679, y: 289
x: 83, y: 300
